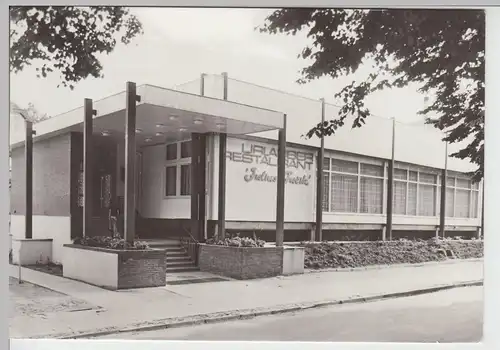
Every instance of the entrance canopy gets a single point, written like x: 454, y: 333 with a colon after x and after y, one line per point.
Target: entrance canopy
x: 162, y: 115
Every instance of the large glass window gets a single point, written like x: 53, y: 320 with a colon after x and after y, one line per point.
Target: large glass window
x: 414, y: 193
x: 358, y: 187
x: 178, y: 169
x: 352, y: 187
x: 462, y: 197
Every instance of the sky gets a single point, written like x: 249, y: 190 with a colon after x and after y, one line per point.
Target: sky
x: 180, y: 44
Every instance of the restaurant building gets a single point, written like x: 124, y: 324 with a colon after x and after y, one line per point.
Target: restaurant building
x: 179, y: 125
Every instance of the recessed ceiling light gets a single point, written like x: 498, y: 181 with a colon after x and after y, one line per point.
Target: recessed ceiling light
x: 160, y: 125
x: 138, y: 131
x: 182, y: 129
x: 159, y: 134
x: 147, y: 139
x: 198, y: 121
x: 105, y: 133
x: 173, y: 117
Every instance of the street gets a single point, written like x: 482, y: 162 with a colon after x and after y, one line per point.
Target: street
x: 449, y: 316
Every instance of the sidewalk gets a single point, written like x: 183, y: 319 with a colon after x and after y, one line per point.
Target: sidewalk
x: 121, y: 310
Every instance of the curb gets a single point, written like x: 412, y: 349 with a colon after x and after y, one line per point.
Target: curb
x: 219, y: 317
x: 392, y: 266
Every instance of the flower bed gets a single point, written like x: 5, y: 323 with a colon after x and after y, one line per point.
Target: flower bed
x: 360, y: 254
x: 110, y: 243
x: 113, y: 263
x: 237, y: 241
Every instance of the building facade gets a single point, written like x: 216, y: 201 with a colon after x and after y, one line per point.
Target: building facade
x: 355, y: 176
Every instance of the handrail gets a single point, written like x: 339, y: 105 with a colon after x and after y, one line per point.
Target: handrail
x: 190, y: 244
x: 190, y: 235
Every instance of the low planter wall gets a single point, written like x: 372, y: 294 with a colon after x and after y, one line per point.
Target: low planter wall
x: 249, y: 262
x: 293, y: 260
x: 114, y: 269
x: 31, y: 251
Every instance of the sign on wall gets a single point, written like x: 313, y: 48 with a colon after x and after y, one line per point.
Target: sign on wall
x: 252, y: 168
x: 262, y: 163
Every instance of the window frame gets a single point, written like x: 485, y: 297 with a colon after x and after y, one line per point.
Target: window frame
x: 178, y: 162
x: 472, y: 189
x: 330, y: 172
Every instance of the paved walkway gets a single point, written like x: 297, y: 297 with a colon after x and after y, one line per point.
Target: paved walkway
x: 124, y: 308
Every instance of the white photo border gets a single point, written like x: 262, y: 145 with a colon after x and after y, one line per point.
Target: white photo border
x: 491, y: 339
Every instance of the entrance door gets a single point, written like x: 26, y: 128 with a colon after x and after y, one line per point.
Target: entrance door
x: 104, y: 184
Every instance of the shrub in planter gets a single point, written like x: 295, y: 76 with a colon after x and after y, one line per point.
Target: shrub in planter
x: 110, y: 243
x: 237, y: 241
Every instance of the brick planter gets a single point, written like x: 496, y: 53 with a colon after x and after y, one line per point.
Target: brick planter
x: 249, y: 263
x: 114, y: 269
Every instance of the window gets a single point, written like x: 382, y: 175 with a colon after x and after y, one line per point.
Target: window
x: 344, y: 193
x: 178, y: 169
x: 172, y: 151
x: 411, y: 206
x: 326, y: 191
x: 372, y: 188
x: 399, y: 197
x: 171, y: 181
x: 427, y: 191
x: 414, y: 193
x: 358, y: 187
x: 352, y: 187
x: 450, y: 200
x: 462, y: 196
x: 426, y: 200
x: 371, y: 195
x: 186, y: 149
x: 185, y: 180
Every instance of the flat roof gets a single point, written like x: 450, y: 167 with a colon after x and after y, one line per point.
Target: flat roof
x: 161, y: 104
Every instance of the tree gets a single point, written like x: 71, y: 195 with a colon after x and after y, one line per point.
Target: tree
x: 441, y: 50
x: 67, y: 39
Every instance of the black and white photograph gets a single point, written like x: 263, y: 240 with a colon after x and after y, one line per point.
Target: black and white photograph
x: 247, y: 174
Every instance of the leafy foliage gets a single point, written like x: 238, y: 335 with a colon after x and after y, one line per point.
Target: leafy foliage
x: 110, y: 243
x: 67, y: 39
x: 237, y: 241
x: 441, y: 50
x: 359, y: 254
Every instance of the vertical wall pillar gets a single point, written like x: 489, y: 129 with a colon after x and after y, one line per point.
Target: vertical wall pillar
x: 130, y: 149
x: 280, y: 191
x: 202, y: 187
x: 203, y: 176
x: 195, y: 213
x: 319, y: 181
x: 198, y: 185
x: 442, y: 209
x: 390, y: 185
x: 202, y: 84
x: 221, y: 222
x: 28, y: 155
x: 482, y: 211
x: 87, y: 165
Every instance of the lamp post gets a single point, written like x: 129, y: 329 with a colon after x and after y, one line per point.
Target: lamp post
x: 28, y: 116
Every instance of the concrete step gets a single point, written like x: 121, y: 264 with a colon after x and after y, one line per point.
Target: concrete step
x: 178, y: 258
x: 182, y: 269
x: 175, y: 253
x: 185, y: 263
x: 164, y: 244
